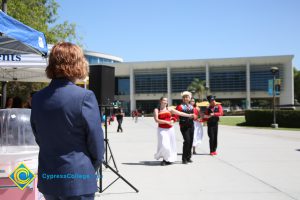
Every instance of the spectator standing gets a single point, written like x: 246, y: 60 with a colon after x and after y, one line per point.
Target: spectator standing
x: 66, y: 123
x: 119, y: 116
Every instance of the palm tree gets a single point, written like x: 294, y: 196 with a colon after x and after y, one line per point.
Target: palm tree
x: 198, y: 86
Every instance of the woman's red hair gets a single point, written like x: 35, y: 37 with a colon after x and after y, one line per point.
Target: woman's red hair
x: 67, y: 60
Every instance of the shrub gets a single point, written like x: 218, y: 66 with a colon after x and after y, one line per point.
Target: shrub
x: 284, y: 118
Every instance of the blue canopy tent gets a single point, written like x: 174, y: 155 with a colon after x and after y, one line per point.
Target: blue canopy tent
x: 18, y: 38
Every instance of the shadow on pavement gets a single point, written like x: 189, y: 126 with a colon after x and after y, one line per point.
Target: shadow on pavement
x: 151, y: 163
x: 197, y: 154
x: 147, y: 163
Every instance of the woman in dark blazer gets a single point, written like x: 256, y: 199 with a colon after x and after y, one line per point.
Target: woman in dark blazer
x: 65, y: 119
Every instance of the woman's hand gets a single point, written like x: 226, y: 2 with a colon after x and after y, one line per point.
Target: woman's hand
x: 170, y: 122
x: 193, y: 116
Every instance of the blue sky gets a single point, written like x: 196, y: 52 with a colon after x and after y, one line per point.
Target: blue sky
x: 143, y: 30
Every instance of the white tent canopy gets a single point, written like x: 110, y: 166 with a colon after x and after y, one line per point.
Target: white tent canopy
x: 23, y: 67
x: 21, y: 51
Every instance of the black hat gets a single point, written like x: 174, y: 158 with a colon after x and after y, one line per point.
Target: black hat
x: 210, y: 98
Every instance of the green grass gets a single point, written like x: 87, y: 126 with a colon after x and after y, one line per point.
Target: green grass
x: 232, y: 120
x: 237, y: 120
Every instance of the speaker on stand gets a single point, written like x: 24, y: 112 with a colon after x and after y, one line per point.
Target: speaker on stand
x: 102, y: 83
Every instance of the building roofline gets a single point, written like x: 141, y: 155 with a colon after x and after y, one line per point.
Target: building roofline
x: 275, y: 59
x: 102, y: 55
x: 93, y: 53
x: 289, y: 56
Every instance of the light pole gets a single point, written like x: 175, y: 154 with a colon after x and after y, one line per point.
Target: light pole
x: 274, y: 70
x: 206, y: 91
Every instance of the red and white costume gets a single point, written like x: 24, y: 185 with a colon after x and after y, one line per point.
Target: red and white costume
x: 198, y: 130
x: 166, y: 146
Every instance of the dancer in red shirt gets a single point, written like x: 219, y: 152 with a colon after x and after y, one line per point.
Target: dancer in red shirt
x: 212, y: 114
x: 166, y: 147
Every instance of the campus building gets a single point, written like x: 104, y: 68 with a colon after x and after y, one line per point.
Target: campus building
x: 241, y: 83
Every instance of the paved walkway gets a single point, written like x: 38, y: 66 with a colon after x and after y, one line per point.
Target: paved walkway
x: 252, y: 164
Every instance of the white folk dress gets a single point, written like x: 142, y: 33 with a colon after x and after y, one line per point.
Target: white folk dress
x: 198, y: 132
x: 166, y: 145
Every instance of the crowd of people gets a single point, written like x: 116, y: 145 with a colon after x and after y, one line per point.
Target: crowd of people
x: 17, y: 102
x: 190, y: 121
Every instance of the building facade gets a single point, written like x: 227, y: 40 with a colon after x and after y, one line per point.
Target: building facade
x: 240, y: 82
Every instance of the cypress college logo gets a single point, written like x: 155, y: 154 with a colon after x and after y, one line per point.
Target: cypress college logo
x: 22, y: 176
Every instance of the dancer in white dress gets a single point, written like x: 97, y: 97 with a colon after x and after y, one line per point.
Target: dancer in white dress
x: 198, y: 128
x: 166, y: 147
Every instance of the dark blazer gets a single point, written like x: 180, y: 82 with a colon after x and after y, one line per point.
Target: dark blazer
x: 66, y: 123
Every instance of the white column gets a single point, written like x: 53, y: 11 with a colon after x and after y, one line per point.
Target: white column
x: 132, y: 86
x: 207, y: 78
x: 287, y: 93
x: 169, y: 85
x: 248, y: 89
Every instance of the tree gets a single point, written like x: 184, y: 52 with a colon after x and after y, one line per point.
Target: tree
x: 197, y: 86
x: 297, y: 84
x: 42, y: 15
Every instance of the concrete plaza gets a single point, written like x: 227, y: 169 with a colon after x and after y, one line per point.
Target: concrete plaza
x: 254, y: 164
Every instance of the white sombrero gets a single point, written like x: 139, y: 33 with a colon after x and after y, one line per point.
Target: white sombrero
x: 186, y: 93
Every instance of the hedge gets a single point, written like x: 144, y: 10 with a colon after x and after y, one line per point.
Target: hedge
x: 284, y: 118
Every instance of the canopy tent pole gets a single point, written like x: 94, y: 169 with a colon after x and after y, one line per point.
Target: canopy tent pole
x: 4, y: 88
x: 4, y: 83
x: 4, y: 6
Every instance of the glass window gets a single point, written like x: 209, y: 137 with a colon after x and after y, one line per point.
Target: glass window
x: 183, y: 77
x: 260, y: 76
x: 98, y: 60
x: 122, y: 86
x: 224, y: 79
x: 147, y: 106
x: 150, y: 81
